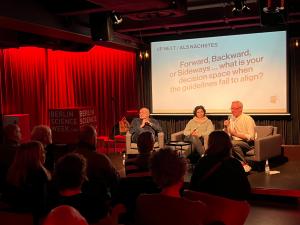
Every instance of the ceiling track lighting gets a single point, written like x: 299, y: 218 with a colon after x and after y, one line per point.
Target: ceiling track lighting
x: 274, y: 6
x: 116, y: 18
x: 144, y: 55
x: 240, y: 6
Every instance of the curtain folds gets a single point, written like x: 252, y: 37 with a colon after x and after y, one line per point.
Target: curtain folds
x: 34, y: 80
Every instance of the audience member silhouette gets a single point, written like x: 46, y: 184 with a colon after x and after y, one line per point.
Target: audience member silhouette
x: 168, y: 207
x: 100, y: 170
x: 69, y: 176
x: 12, y: 138
x: 64, y: 215
x: 43, y: 134
x: 138, y: 179
x: 218, y: 172
x: 140, y: 163
x: 27, y: 180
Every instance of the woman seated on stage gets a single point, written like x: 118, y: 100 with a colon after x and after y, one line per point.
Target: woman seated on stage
x: 197, y: 128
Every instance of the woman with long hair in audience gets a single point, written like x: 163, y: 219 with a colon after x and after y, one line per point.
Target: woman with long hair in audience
x: 218, y: 173
x: 27, y: 180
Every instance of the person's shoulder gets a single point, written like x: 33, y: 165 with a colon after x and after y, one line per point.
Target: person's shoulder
x: 135, y: 119
x: 247, y: 116
x: 152, y: 119
x: 193, y: 120
x: 208, y: 120
x: 101, y: 156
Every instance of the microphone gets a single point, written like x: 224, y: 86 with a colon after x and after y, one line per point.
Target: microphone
x: 232, y: 119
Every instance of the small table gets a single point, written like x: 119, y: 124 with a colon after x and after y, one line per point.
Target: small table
x: 178, y: 145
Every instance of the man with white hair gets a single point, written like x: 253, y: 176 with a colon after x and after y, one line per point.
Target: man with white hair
x: 144, y: 124
x: 43, y: 134
x: 241, y: 129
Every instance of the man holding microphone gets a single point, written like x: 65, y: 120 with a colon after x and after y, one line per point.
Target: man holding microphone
x: 241, y: 129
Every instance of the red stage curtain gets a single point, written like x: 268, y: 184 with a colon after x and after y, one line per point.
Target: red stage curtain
x: 34, y: 80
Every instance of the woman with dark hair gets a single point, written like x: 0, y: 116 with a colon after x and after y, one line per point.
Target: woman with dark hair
x: 197, y: 128
x: 27, y: 179
x: 218, y: 172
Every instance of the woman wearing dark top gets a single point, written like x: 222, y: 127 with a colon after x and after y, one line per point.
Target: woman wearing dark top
x: 218, y: 172
x: 27, y: 180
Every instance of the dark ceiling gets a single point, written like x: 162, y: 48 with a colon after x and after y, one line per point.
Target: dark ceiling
x: 77, y: 24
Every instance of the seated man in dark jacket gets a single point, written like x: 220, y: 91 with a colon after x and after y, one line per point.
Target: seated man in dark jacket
x: 144, y: 124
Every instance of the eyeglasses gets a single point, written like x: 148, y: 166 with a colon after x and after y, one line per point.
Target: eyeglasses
x: 235, y: 108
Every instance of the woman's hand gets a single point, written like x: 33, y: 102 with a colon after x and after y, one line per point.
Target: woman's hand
x: 194, y: 132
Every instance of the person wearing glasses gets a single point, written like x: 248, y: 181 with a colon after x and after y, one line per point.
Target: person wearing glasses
x: 240, y: 127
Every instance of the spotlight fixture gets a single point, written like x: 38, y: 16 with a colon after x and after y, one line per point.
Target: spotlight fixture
x: 117, y: 19
x: 274, y: 6
x: 144, y: 55
x: 240, y: 6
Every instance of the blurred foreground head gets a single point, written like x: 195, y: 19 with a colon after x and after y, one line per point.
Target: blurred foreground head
x: 64, y: 215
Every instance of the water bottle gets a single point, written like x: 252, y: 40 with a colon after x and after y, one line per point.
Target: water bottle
x: 267, y: 167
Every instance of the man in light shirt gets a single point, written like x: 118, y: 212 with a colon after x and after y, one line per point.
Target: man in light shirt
x: 241, y: 129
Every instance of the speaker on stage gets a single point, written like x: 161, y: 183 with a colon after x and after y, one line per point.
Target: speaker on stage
x: 101, y: 27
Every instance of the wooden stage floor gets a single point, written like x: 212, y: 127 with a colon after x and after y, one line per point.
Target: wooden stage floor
x: 286, y: 183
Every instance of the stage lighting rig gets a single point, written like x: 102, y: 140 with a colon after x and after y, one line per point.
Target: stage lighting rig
x: 240, y: 6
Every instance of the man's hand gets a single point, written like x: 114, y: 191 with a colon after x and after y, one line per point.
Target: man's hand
x: 233, y: 132
x: 226, y: 123
x: 145, y: 122
x: 194, y: 132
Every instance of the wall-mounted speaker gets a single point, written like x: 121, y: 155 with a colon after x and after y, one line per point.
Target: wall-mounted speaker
x: 101, y: 27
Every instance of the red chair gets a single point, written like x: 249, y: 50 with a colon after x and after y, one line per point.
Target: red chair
x: 157, y: 209
x: 228, y: 211
x: 15, y: 218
